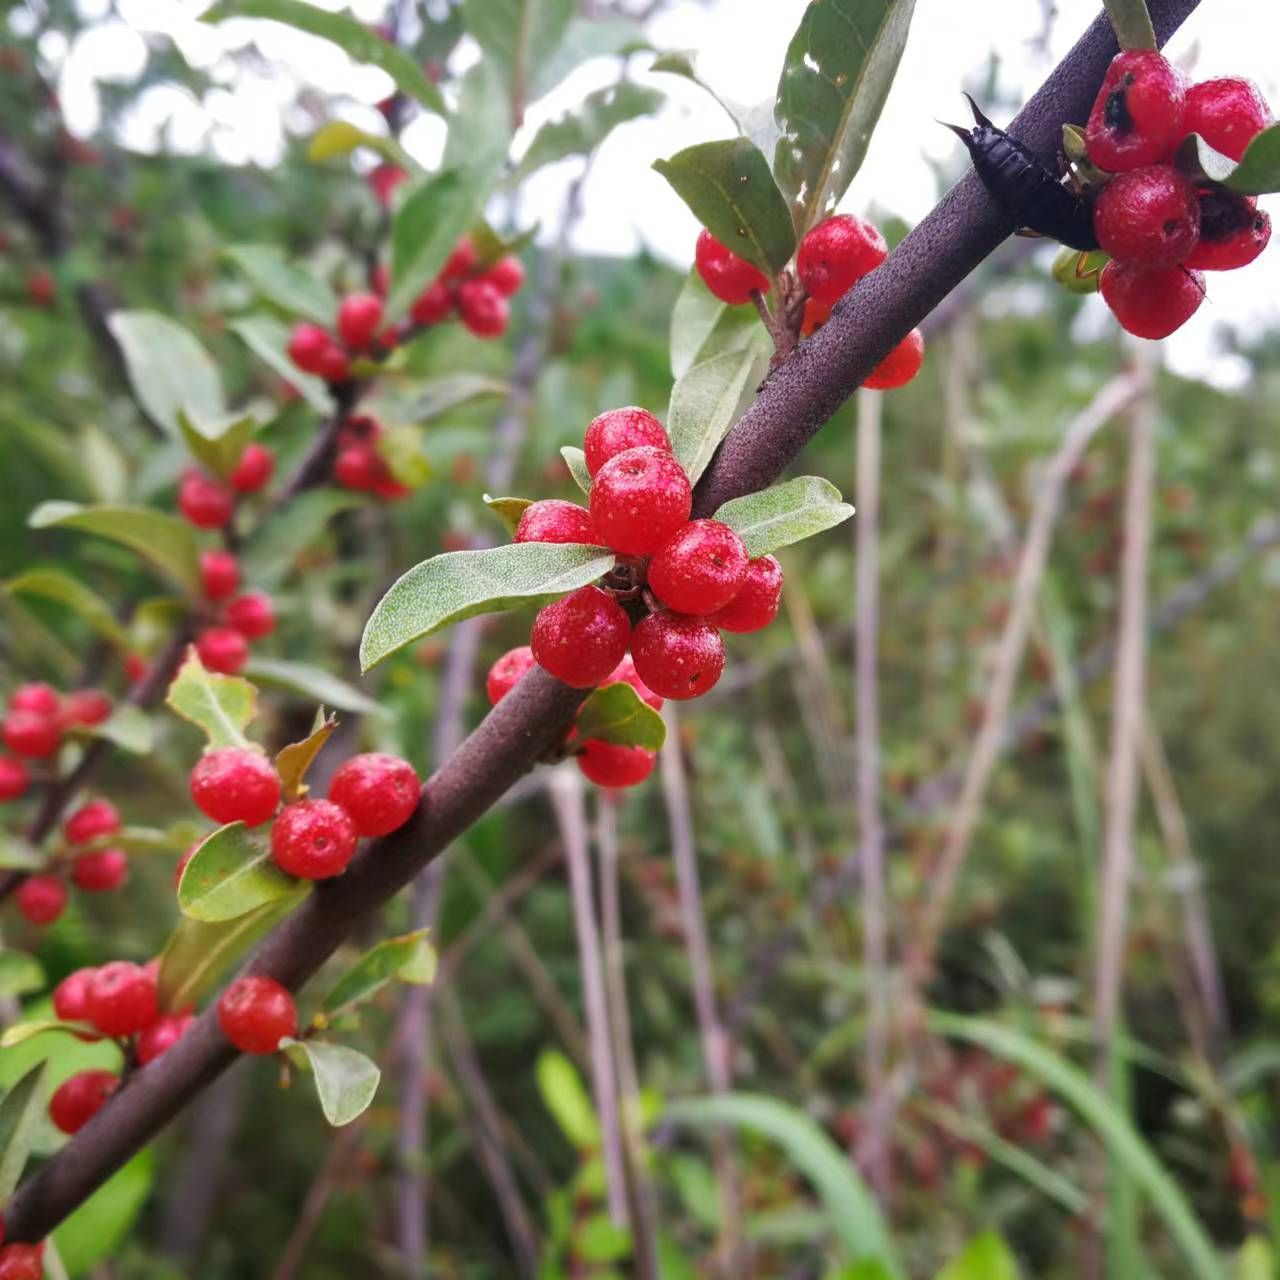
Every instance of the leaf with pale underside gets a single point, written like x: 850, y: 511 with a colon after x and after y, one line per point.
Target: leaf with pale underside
x: 231, y: 874
x: 222, y: 706
x: 345, y: 1079
x: 786, y: 513
x: 508, y: 510
x: 576, y: 461
x: 408, y: 958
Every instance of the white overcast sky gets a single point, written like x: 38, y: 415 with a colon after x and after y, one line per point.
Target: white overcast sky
x: 740, y: 45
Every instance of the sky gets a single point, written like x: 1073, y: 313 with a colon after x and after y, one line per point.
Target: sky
x: 248, y: 117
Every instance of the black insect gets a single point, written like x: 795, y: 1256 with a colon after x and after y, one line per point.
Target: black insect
x: 1024, y: 187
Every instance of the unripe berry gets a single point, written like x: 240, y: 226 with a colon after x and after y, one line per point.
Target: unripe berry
x: 555, y: 521
x: 41, y: 899
x: 384, y: 179
x: 730, y: 278
x: 677, y: 656
x: 639, y: 498
x: 313, y: 839
x: 15, y: 778
x: 1151, y: 304
x: 609, y: 765
x: 100, y: 872
x: 71, y: 996
x: 207, y: 503
x: 121, y: 999
x: 1138, y: 115
x: 223, y: 650
x: 625, y: 673
x: 1149, y: 217
x: 161, y: 1036
x: 756, y: 604
x: 90, y: 821
x: 41, y: 698
x: 359, y: 318
x: 86, y: 707
x: 254, y: 470
x: 309, y: 344
x: 900, y: 365
x: 22, y: 1262
x: 77, y: 1100
x: 836, y: 254
x: 461, y: 261
x: 357, y: 467
x: 1227, y: 113
x: 433, y: 304
x: 252, y: 615
x: 256, y: 1013
x: 617, y: 430
x: 506, y: 275
x: 1233, y: 232
x: 507, y: 672
x: 235, y: 785
x: 379, y: 792
x: 483, y: 309
x: 581, y: 638
x: 32, y: 734
x: 699, y: 569
x: 219, y: 574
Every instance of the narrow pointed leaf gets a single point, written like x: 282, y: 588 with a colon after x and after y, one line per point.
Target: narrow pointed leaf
x: 784, y: 514
x: 21, y: 1032
x: 281, y: 280
x: 20, y: 974
x: 130, y: 728
x: 313, y: 683
x: 1258, y: 173
x: 1132, y: 23
x: 270, y: 555
x: 84, y: 601
x: 268, y: 339
x: 221, y: 705
x: 168, y: 369
x: 230, y: 875
x: 616, y: 713
x: 293, y: 761
x: 217, y: 443
x: 346, y: 1080
x: 341, y: 137
x: 582, y: 130
x: 567, y: 1099
x: 408, y: 958
x: 508, y: 510
x: 426, y: 227
x: 755, y: 121
x: 21, y: 1112
x: 519, y: 35
x: 576, y: 461
x: 440, y: 396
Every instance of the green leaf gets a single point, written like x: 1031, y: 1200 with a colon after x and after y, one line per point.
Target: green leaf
x: 1132, y: 24
x: 702, y: 326
x: 600, y: 1239
x: 268, y: 339
x: 231, y: 875
x: 566, y: 1098
x: 461, y: 584
x: 168, y: 369
x: 99, y: 1225
x: 508, y: 510
x: 480, y: 131
x: 576, y: 461
x: 616, y: 713
x: 217, y: 443
x: 1077, y: 272
x: 490, y: 245
x: 341, y: 137
x: 588, y: 38
x: 19, y: 974
x: 1202, y: 163
x: 17, y: 855
x: 784, y: 514
x: 732, y: 193
x: 427, y: 226
x: 582, y: 130
x: 278, y: 279
x: 850, y: 1206
x: 62, y: 588
x: 221, y: 705
x: 1258, y: 173
x: 1254, y: 1261
x: 986, y: 1257
x: 314, y: 683
x: 1126, y: 1145
x: 436, y: 398
x: 21, y: 1112
x: 293, y: 761
x: 401, y: 449
x: 21, y: 1032
x: 519, y: 35
x: 345, y: 1079
x: 129, y: 727
x: 836, y: 76
x: 106, y: 471
x: 271, y: 553
x: 166, y: 541
x: 350, y: 35
x: 409, y: 957
x: 754, y: 122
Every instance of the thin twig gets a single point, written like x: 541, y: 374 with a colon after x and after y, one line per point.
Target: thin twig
x: 332, y: 1171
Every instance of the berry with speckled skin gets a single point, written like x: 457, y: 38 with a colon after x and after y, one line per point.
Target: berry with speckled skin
x: 313, y: 839
x: 359, y: 318
x: 756, y: 604
x: 609, y: 765
x: 90, y: 821
x: 461, y: 261
x: 71, y: 996
x: 507, y: 672
x: 1149, y: 217
x: 222, y: 649
x: 676, y: 655
x: 379, y: 792
x: 639, y: 498
x: 22, y: 1262
x: 730, y: 278
x: 235, y: 785
x: 86, y: 707
x: 309, y: 344
x: 899, y: 366
x: 483, y: 309
x: 161, y: 1036
x: 617, y: 430
x: 625, y: 673
x: 219, y: 574
x: 40, y: 698
x: 256, y: 467
x: 581, y: 638
x: 1233, y: 232
x: 836, y: 254
x: 433, y: 304
x: 1151, y: 303
x: 555, y: 521
x: 121, y: 998
x: 207, y: 503
x: 256, y: 1013
x: 100, y: 871
x: 1227, y: 113
x: 15, y: 778
x: 335, y: 367
x: 32, y: 734
x: 699, y: 569
x: 252, y: 615
x: 78, y: 1099
x: 1138, y: 115
x: 41, y: 899
x: 506, y: 275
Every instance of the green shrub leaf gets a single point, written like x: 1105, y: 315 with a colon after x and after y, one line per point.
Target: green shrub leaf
x: 268, y: 339
x: 20, y: 974
x: 567, y: 1099
x: 508, y: 510
x: 222, y: 706
x: 1132, y: 23
x: 230, y: 875
x: 283, y: 281
x: 21, y: 1112
x: 1258, y: 173
x: 582, y: 130
x: 313, y: 683
x: 408, y: 958
x: 345, y: 1079
x: 784, y: 514
x: 986, y: 1257
x: 293, y: 761
x: 62, y: 588
x: 576, y: 461
x: 616, y: 713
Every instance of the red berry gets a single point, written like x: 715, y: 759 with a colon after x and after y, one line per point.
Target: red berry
x: 555, y: 521
x: 41, y: 698
x: 507, y: 672
x: 1228, y: 114
x: 730, y: 278
x: 222, y: 649
x: 100, y: 872
x: 581, y: 638
x: 625, y: 673
x: 379, y: 792
x: 219, y: 574
x: 639, y: 498
x: 461, y: 261
x: 357, y: 467
x: 836, y: 254
x: 121, y: 999
x: 506, y: 275
x: 608, y: 765
x: 235, y: 785
x: 1233, y: 231
x: 40, y: 287
x: 86, y: 707
x: 256, y: 466
x: 900, y: 365
x: 380, y: 279
x: 1138, y: 115
x: 252, y: 615
x: 314, y: 839
x: 136, y: 667
x: 359, y: 318
x: 161, y: 1036
x: 32, y: 734
x: 76, y: 1101
x: 256, y: 1013
x: 1151, y: 304
x: 699, y: 569
x: 387, y: 487
x: 677, y: 656
x: 1149, y: 217
x: 483, y: 309
x: 22, y: 1262
x: 41, y: 899
x: 97, y: 818
x: 756, y: 604
x: 71, y: 996
x: 384, y: 179
x: 206, y: 502
x: 309, y: 344
x: 433, y: 304
x: 617, y: 430
x: 334, y: 366
x: 15, y: 778
x: 816, y: 314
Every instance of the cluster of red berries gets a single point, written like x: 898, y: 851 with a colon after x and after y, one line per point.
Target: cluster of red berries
x: 21, y: 1261
x: 691, y: 579
x: 370, y: 795
x: 359, y: 465
x: 35, y: 722
x: 209, y: 503
x: 234, y: 617
x: 831, y: 259
x: 1161, y: 229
